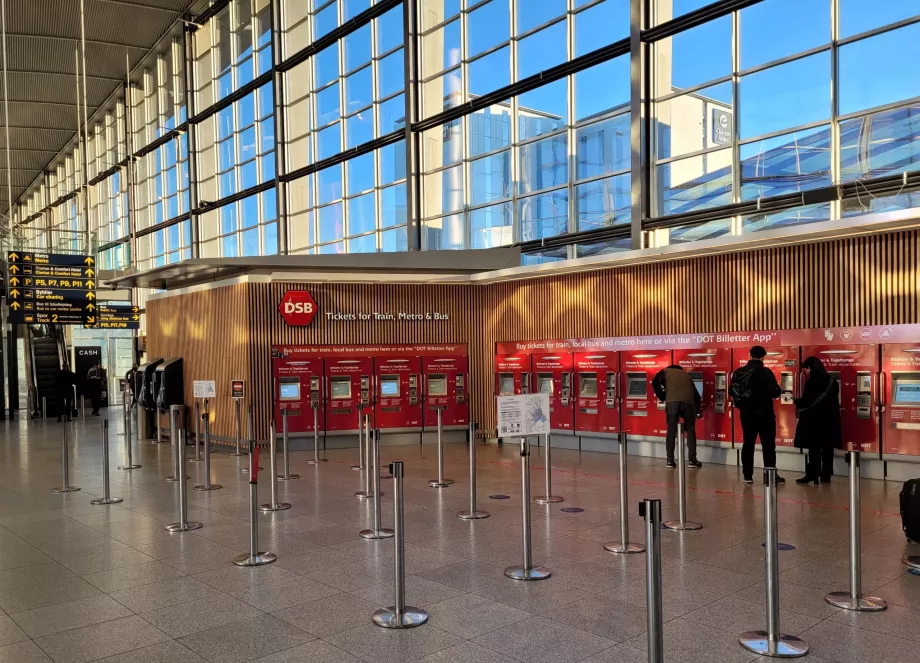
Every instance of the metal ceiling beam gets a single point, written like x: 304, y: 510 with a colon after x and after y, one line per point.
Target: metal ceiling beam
x: 44, y: 103
x: 138, y: 5
x: 61, y: 73
x: 16, y: 126
x: 20, y: 35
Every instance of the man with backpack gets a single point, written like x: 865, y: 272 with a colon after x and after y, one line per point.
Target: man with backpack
x: 753, y: 390
x: 674, y: 386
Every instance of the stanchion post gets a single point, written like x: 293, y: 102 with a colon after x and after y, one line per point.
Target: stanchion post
x: 274, y: 504
x: 44, y: 407
x: 316, y: 459
x: 82, y: 406
x: 378, y: 532
x: 286, y: 441
x: 650, y: 511
x: 527, y: 571
x: 681, y: 524
x: 473, y: 513
x: 624, y: 547
x: 361, y: 461
x: 853, y: 599
x: 440, y: 482
x: 238, y: 418
x: 184, y: 525
x: 254, y: 557
x: 207, y: 485
x: 174, y: 442
x: 65, y: 464
x: 129, y: 441
x: 771, y: 642
x: 250, y: 435
x: 106, y: 480
x: 399, y: 615
x: 547, y: 497
x: 368, y: 491
x: 197, y: 458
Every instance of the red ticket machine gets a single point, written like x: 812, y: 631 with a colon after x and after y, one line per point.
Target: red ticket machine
x: 901, y: 399
x: 597, y: 404
x: 348, y: 393
x: 553, y: 376
x: 399, y: 398
x: 446, y: 389
x: 856, y: 368
x: 784, y: 362
x: 643, y: 415
x: 512, y: 374
x: 709, y: 370
x: 298, y: 389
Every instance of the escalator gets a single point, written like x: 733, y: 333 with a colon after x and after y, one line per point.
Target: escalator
x: 47, y: 352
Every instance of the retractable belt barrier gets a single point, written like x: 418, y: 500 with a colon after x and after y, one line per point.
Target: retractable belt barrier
x: 473, y: 513
x: 106, y: 482
x: 624, y: 547
x: 527, y: 571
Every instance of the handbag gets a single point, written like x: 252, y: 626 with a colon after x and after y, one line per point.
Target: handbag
x: 827, y: 390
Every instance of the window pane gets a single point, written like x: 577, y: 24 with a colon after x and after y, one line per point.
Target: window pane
x: 327, y: 65
x: 393, y: 206
x: 251, y: 242
x: 538, y: 12
x: 328, y: 142
x: 491, y: 226
x: 392, y: 115
x: 442, y: 93
x: 391, y: 74
x: 330, y: 223
x: 880, y: 144
x: 329, y: 184
x: 358, y: 47
x: 693, y: 122
x: 359, y: 90
x: 392, y: 162
x: 443, y: 145
x: 229, y: 247
x: 603, y: 147
x: 880, y: 70
x: 695, y: 183
x: 444, y: 191
x: 543, y: 164
x: 665, y: 11
x: 248, y: 144
x: 603, y: 203
x: 786, y: 218
x: 861, y: 15
x: 543, y: 110
x: 390, y: 30
x: 327, y: 105
x: 546, y: 215
x: 602, y: 248
x: 490, y: 72
x: 681, y: 62
x: 332, y: 249
x: 488, y: 26
x: 786, y: 96
x: 441, y: 49
x: 362, y: 214
x: 326, y: 21
x: 352, y: 8
x: 270, y: 239
x: 542, y: 50
x: 249, y: 213
x: 359, y: 129
x: 490, y: 129
x: 446, y: 233
x: 763, y: 21
x: 490, y: 178
x: 394, y: 240
x: 364, y: 244
x: 360, y: 173
x: 228, y: 222
x: 602, y: 88
x: 601, y: 25
x: 433, y: 12
x: 709, y: 230
x: 786, y: 164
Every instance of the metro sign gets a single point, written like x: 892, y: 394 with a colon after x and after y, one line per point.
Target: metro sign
x: 297, y: 308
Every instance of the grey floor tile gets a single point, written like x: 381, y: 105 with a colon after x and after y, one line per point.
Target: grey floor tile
x: 846, y: 644
x: 351, y: 577
x: 533, y: 597
x: 235, y: 579
x: 467, y: 652
x: 10, y: 632
x: 540, y: 640
x: 126, y: 577
x: 372, y: 643
x: 903, y: 590
x: 17, y: 599
x: 315, y: 651
x: 624, y: 654
x: 602, y: 615
x: 33, y: 575
x: 419, y: 592
x: 274, y: 596
x: 896, y: 620
x: 23, y: 652
x: 689, y: 641
x: 795, y: 598
x: 19, y: 557
x: 168, y: 651
x: 737, y: 616
x: 330, y: 615
x: 65, y: 616
x: 98, y: 641
x: 470, y: 616
x: 188, y: 618
x: 246, y: 640
x: 145, y: 598
x: 468, y: 576
x: 81, y: 547
x: 110, y: 559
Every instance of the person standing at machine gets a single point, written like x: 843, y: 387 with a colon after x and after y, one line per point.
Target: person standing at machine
x: 63, y: 388
x: 674, y: 386
x: 95, y: 380
x: 818, y: 428
x: 753, y: 390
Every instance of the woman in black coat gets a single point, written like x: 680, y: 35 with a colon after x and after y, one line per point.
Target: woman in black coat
x: 818, y: 428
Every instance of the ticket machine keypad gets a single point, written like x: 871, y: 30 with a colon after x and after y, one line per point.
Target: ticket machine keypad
x: 611, y: 390
x: 461, y: 391
x: 413, y: 389
x: 721, y: 385
x: 863, y: 395
x: 787, y: 388
x: 365, y: 390
x: 314, y: 392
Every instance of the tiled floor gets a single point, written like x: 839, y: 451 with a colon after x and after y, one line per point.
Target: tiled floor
x: 86, y: 583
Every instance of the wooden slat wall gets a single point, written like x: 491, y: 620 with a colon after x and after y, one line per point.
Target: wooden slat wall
x: 861, y: 281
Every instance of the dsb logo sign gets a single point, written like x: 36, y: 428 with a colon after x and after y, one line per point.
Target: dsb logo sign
x: 297, y: 308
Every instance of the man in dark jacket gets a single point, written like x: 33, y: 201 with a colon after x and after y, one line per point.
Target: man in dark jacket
x: 675, y: 388
x: 753, y: 391
x: 63, y: 388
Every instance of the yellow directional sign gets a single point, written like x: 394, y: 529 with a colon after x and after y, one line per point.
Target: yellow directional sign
x: 14, y: 281
x: 55, y: 289
x: 117, y: 315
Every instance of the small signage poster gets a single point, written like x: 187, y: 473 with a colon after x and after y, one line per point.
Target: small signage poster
x: 237, y: 389
x: 523, y: 415
x: 204, y: 388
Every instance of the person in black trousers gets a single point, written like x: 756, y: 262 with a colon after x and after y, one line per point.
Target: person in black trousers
x: 63, y: 389
x: 753, y: 390
x: 818, y: 428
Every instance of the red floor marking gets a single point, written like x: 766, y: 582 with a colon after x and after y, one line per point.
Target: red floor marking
x: 714, y: 491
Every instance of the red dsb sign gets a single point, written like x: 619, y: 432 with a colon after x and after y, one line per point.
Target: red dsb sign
x: 297, y: 308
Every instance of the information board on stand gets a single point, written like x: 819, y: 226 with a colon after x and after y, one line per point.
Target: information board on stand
x: 204, y: 388
x: 52, y: 288
x: 523, y: 415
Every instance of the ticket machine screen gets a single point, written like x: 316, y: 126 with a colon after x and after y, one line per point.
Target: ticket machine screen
x: 637, y: 386
x: 289, y: 389
x: 340, y: 388
x: 437, y: 385
x: 907, y: 390
x: 389, y: 386
x: 505, y: 383
x: 587, y: 385
x: 697, y: 382
x: 836, y: 376
x: 787, y: 386
x: 545, y: 383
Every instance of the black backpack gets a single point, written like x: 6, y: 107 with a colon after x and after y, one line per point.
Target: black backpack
x: 740, y: 388
x: 910, y: 509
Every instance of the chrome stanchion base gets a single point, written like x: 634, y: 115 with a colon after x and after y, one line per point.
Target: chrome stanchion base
x: 172, y: 479
x: 434, y: 483
x: 129, y: 467
x: 382, y: 533
x: 316, y: 462
x: 364, y: 495
x: 552, y: 499
x: 680, y: 527
x: 213, y: 486
x: 387, y: 618
x: 245, y: 470
x: 237, y: 454
x: 259, y: 559
x: 786, y: 646
x: 65, y: 489
x: 179, y: 527
x: 913, y: 561
x: 864, y: 604
x: 280, y: 506
x: 357, y: 468
x: 194, y: 460
x: 473, y: 515
x: 628, y: 549
x: 103, y: 500
x: 289, y: 477
x: 520, y: 573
